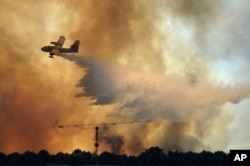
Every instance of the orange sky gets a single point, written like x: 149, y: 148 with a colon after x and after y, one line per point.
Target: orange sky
x: 138, y: 60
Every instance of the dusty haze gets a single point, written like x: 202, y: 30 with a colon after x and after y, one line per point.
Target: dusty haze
x: 180, y: 67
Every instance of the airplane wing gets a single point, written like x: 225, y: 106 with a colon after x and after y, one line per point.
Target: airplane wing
x: 61, y: 41
x: 58, y: 45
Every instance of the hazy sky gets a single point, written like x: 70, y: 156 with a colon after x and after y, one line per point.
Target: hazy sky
x: 180, y: 66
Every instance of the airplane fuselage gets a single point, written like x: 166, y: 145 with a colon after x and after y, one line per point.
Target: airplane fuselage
x: 61, y: 50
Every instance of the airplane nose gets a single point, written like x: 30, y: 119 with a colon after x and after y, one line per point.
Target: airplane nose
x: 43, y: 49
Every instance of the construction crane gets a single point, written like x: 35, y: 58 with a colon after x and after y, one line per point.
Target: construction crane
x: 93, y: 126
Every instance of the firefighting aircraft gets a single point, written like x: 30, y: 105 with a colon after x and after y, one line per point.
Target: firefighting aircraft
x: 57, y: 48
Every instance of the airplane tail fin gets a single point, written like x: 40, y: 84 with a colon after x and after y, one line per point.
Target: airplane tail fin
x: 75, y: 46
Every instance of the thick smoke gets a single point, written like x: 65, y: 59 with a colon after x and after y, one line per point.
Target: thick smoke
x: 113, y: 141
x: 119, y: 31
x: 34, y: 92
x: 151, y: 96
x: 156, y: 61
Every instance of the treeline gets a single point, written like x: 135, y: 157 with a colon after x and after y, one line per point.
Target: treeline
x: 150, y: 157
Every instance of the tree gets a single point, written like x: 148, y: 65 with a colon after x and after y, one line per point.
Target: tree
x: 3, y: 158
x: 61, y: 158
x: 81, y: 157
x: 29, y: 158
x: 14, y: 159
x: 152, y: 156
x: 43, y: 157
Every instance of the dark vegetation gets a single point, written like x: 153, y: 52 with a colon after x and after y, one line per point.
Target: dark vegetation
x: 150, y: 157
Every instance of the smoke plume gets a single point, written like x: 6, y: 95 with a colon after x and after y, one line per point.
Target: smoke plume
x: 113, y: 141
x: 151, y: 96
x: 180, y: 66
